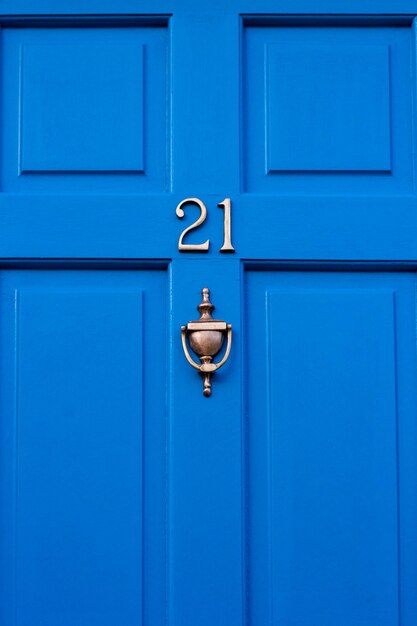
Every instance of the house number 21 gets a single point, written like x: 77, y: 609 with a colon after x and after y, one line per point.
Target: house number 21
x: 226, y: 205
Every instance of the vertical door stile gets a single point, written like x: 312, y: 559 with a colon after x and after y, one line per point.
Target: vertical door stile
x: 206, y: 520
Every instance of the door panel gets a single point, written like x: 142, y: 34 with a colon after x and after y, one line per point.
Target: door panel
x: 331, y: 441
x: 84, y: 108
x: 82, y: 447
x: 328, y: 138
x: 288, y: 497
x: 328, y: 109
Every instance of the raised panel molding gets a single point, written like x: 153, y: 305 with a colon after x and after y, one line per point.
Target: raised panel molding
x: 83, y: 446
x: 332, y: 380
x: 79, y: 458
x: 85, y: 108
x: 328, y: 108
x: 330, y: 443
x: 81, y: 107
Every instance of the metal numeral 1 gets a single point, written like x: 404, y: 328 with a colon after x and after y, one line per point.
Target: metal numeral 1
x: 227, y: 225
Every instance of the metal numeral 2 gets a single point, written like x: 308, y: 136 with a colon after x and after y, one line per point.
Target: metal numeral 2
x: 203, y: 247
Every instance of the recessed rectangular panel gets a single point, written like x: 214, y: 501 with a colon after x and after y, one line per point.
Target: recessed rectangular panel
x: 324, y: 374
x: 82, y: 449
x: 333, y: 473
x: 328, y: 107
x: 85, y: 108
x: 81, y: 107
x: 79, y: 455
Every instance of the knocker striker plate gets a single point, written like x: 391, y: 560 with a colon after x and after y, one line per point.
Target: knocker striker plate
x: 206, y: 337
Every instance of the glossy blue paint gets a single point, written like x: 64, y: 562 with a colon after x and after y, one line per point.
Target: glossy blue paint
x: 265, y: 7
x: 94, y: 142
x: 289, y: 496
x: 346, y: 127
x: 83, y: 435
x: 331, y: 447
x: 329, y: 127
x: 51, y: 122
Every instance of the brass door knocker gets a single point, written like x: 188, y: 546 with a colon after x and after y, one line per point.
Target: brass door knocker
x: 206, y: 338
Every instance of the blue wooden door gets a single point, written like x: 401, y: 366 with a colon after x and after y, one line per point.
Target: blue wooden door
x: 288, y: 497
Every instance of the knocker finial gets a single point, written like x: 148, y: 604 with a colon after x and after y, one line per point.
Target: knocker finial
x: 205, y: 308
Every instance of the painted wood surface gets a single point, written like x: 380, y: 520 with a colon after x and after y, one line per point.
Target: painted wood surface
x: 289, y: 496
